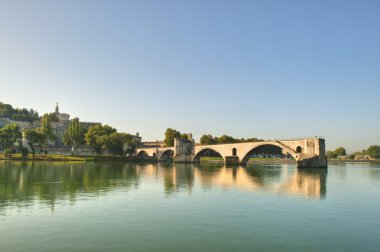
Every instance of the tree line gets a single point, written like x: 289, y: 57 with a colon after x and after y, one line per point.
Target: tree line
x: 373, y: 151
x: 207, y: 139
x: 225, y: 139
x: 98, y: 137
x: 7, y: 111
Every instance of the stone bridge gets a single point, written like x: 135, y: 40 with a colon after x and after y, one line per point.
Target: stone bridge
x: 308, y: 152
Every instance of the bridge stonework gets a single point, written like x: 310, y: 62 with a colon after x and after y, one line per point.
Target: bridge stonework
x: 308, y: 152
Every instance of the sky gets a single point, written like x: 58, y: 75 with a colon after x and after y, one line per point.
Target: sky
x: 266, y: 69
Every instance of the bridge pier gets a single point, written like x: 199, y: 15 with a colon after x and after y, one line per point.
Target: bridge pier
x: 231, y: 160
x: 312, y: 162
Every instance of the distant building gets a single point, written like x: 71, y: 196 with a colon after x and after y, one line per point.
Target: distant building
x: 59, y: 127
x: 153, y: 144
x: 345, y: 157
x: 363, y: 157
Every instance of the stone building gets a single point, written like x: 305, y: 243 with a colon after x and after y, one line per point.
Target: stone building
x: 59, y: 127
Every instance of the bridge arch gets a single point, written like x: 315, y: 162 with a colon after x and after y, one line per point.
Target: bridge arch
x: 205, y: 152
x: 234, y: 152
x: 298, y: 149
x: 142, y: 153
x: 166, y: 155
x: 246, y: 156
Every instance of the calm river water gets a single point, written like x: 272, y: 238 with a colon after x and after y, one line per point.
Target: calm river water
x: 110, y: 206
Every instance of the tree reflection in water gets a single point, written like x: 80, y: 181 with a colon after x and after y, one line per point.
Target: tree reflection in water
x: 21, y: 183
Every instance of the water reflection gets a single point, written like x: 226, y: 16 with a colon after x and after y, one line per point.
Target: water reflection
x: 21, y: 183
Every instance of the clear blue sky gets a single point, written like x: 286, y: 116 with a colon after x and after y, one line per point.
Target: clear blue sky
x: 269, y: 69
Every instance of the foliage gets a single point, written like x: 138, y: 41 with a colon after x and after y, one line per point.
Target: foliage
x: 24, y: 152
x: 53, y: 117
x: 35, y: 138
x: 46, y: 131
x: 337, y: 152
x: 96, y: 136
x: 224, y: 139
x: 9, y: 135
x: 374, y: 151
x: 120, y: 143
x: 115, y: 143
x: 74, y: 134
x: 340, y: 151
x: 7, y: 111
x: 131, y: 144
x: 207, y: 139
x: 331, y: 154
x: 185, y: 136
x: 170, y: 135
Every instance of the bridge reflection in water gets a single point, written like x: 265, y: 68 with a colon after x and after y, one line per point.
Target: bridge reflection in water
x: 49, y: 182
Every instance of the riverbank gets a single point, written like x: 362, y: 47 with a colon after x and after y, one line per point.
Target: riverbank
x: 352, y: 161
x: 69, y: 158
x: 258, y: 160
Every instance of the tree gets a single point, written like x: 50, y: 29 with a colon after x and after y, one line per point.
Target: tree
x: 34, y: 138
x: 8, y: 136
x: 7, y: 111
x: 115, y: 143
x: 170, y: 135
x: 46, y: 131
x: 374, y: 151
x: 225, y: 139
x: 185, y: 136
x: 131, y: 146
x: 207, y: 139
x: 337, y: 152
x: 120, y: 143
x: 340, y: 151
x: 331, y: 154
x: 74, y: 134
x: 96, y: 136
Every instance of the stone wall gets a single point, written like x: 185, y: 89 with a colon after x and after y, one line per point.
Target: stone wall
x: 78, y: 151
x: 183, y: 150
x: 21, y: 124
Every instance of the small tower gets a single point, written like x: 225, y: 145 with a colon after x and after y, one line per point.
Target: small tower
x: 57, y: 109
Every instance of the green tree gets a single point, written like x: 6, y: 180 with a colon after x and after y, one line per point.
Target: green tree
x: 115, y: 143
x: 374, y: 151
x: 340, y: 151
x: 207, y: 139
x: 96, y: 137
x: 185, y: 136
x: 46, y: 131
x: 9, y: 135
x: 7, y: 111
x: 120, y: 143
x: 225, y: 139
x: 130, y: 144
x: 331, y: 154
x: 35, y: 138
x: 170, y: 135
x: 74, y: 134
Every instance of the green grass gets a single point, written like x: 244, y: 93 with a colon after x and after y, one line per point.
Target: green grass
x: 211, y: 159
x: 264, y: 159
x: 45, y: 157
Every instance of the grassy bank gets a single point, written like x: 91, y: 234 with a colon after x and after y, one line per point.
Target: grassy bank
x: 352, y: 161
x: 46, y: 157
x: 68, y: 158
x: 220, y: 159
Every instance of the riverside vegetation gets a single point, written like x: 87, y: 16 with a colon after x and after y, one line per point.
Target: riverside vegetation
x: 104, y: 137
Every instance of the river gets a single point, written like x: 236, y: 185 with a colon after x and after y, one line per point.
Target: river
x: 111, y: 206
